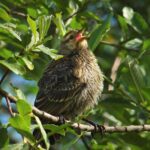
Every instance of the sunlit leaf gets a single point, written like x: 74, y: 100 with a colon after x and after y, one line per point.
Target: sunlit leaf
x: 44, y: 24
x: 4, y: 15
x: 135, y: 20
x: 13, y: 65
x: 20, y: 123
x: 19, y: 93
x: 48, y: 51
x: 24, y: 107
x: 10, y: 29
x: 28, y: 63
x: 59, y: 23
x: 32, y: 24
x: 134, y: 43
x: 43, y: 132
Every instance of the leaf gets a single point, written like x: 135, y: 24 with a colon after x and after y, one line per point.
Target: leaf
x: 56, y: 129
x: 134, y: 43
x: 21, y: 124
x: 5, y: 53
x: 10, y: 29
x: 32, y: 25
x: 124, y: 27
x: 4, y: 15
x: 146, y: 45
x: 28, y: 63
x: 48, y: 51
x: 19, y: 146
x: 24, y: 107
x: 44, y: 24
x: 19, y: 93
x: 43, y: 133
x: 99, y: 32
x: 4, y: 140
x: 59, y: 23
x: 13, y: 65
x: 135, y: 20
x: 32, y: 12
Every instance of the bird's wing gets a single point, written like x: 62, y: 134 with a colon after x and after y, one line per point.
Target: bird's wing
x: 60, y: 83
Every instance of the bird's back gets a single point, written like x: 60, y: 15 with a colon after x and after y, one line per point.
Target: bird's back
x: 70, y: 85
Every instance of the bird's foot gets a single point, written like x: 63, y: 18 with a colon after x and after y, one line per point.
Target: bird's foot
x: 97, y: 127
x: 61, y: 120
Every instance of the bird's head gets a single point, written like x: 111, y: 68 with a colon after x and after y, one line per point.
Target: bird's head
x: 73, y: 41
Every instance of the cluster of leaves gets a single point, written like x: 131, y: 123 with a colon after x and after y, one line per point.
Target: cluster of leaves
x: 30, y: 34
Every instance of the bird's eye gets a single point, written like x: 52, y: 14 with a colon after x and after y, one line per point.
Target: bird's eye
x: 71, y: 37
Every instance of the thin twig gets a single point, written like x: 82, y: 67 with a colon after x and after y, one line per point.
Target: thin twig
x: 18, y: 13
x: 114, y: 70
x: 77, y: 126
x: 85, y: 143
x: 119, y: 46
x: 9, y: 106
x: 4, y: 76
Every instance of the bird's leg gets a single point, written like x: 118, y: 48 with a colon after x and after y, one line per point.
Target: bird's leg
x: 97, y: 127
x: 61, y: 120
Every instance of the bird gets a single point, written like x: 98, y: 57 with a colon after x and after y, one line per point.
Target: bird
x: 72, y: 84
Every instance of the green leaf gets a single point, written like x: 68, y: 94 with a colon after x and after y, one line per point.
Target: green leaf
x: 19, y: 93
x: 124, y: 27
x: 4, y: 15
x: 134, y: 43
x: 13, y: 65
x: 146, y: 45
x: 99, y: 32
x: 44, y: 24
x: 28, y: 63
x: 24, y: 107
x: 21, y: 124
x: 59, y: 23
x: 56, y: 129
x: 32, y: 25
x: 5, y: 53
x: 10, y: 28
x: 46, y: 140
x: 4, y: 140
x: 135, y: 20
x: 32, y: 12
x: 48, y: 51
x: 19, y: 146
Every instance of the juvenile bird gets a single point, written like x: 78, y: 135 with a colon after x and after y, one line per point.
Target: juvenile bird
x: 72, y: 84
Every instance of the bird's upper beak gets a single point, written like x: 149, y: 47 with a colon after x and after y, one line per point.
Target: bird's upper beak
x: 80, y: 35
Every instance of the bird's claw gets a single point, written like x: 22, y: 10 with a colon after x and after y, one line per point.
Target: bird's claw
x: 61, y: 120
x: 97, y: 127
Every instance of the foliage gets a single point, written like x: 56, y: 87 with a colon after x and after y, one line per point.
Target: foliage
x: 30, y: 35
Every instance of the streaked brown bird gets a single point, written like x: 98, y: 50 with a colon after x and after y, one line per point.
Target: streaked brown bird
x: 72, y: 84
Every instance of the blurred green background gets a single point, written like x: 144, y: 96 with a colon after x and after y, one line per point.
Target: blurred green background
x: 119, y: 36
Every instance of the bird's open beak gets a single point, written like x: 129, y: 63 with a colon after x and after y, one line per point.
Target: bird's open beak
x: 80, y: 35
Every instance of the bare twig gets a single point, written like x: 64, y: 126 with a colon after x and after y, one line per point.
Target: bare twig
x: 4, y: 76
x: 9, y: 106
x: 114, y: 69
x: 18, y: 13
x: 82, y: 127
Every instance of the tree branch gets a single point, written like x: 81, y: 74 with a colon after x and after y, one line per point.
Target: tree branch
x: 82, y: 127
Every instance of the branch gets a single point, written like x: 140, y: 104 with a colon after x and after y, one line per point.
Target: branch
x: 82, y: 127
x: 119, y: 46
x: 4, y: 76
